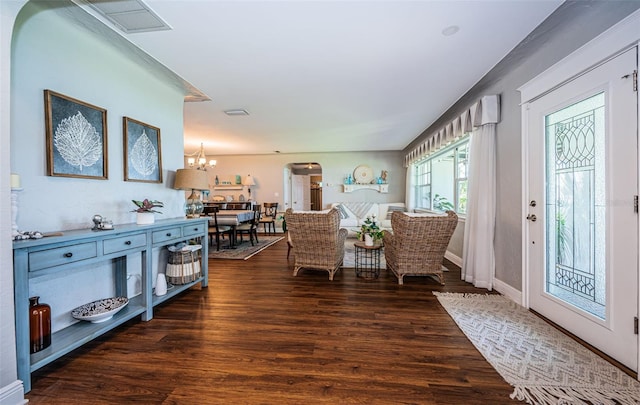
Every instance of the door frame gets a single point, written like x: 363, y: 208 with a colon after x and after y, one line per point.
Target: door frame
x: 621, y: 38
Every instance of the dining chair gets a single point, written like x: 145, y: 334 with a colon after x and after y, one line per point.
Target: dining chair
x: 269, y: 217
x: 250, y: 228
x: 218, y: 230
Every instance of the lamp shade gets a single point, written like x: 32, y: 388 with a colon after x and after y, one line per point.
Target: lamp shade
x: 248, y: 181
x: 191, y: 179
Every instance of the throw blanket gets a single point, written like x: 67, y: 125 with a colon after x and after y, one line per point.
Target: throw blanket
x: 359, y: 208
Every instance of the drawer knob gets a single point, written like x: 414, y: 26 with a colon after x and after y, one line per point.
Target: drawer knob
x: 168, y: 233
x: 196, y: 229
x: 127, y: 242
x: 68, y: 254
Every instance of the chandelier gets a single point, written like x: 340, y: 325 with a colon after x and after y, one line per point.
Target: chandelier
x: 201, y: 160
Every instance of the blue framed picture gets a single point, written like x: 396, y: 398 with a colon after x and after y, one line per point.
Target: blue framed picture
x: 142, y: 152
x: 76, y: 135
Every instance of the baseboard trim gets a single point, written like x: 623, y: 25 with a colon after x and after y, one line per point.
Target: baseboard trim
x: 13, y: 394
x: 508, y: 291
x: 453, y: 258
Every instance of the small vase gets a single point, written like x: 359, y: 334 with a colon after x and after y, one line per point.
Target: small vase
x: 145, y: 218
x: 368, y: 240
x: 39, y: 325
x: 161, y: 285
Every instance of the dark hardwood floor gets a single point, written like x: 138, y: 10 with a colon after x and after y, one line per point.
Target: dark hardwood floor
x: 257, y: 335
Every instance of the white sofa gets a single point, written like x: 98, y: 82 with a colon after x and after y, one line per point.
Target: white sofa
x: 353, y: 214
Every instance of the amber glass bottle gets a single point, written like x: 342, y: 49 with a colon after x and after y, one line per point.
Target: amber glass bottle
x: 39, y: 324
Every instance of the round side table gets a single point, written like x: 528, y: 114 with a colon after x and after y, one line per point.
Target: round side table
x: 367, y: 260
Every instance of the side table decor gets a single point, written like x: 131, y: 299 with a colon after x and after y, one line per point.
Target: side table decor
x: 39, y: 324
x: 145, y: 211
x: 100, y: 310
x: 370, y: 232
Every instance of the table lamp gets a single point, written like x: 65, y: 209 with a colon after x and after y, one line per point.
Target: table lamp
x: 194, y: 180
x: 248, y: 181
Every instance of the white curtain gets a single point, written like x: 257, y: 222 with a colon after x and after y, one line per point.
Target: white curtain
x: 410, y: 196
x: 478, y: 256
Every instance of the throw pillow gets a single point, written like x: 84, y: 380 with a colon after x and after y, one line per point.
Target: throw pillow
x: 343, y: 212
x: 394, y: 208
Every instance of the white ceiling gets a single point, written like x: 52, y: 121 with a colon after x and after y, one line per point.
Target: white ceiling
x: 324, y: 76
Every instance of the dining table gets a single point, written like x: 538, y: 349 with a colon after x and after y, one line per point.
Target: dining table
x: 232, y: 218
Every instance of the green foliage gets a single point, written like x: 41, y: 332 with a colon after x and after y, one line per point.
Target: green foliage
x: 441, y: 203
x: 147, y: 205
x: 563, y: 238
x: 370, y: 227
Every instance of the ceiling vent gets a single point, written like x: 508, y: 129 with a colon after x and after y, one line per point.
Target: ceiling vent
x: 130, y: 16
x: 236, y: 112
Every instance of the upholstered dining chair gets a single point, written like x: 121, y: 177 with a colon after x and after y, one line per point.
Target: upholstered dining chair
x: 250, y: 228
x: 218, y: 230
x: 318, y: 240
x: 269, y: 217
x: 418, y: 244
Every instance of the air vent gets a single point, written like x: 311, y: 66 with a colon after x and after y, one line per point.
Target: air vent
x: 130, y: 16
x: 236, y: 112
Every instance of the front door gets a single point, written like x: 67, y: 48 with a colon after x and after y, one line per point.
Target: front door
x: 582, y: 234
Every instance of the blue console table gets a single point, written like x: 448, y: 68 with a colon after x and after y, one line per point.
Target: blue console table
x: 75, y: 250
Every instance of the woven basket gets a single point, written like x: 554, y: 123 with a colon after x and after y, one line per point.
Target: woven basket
x: 183, y: 267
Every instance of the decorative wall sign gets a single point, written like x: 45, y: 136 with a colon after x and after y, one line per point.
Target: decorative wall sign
x: 142, y: 152
x: 76, y: 137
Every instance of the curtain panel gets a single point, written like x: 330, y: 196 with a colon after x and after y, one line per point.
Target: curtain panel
x: 478, y: 253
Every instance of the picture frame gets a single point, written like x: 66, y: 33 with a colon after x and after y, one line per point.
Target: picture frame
x: 142, y: 151
x: 76, y: 137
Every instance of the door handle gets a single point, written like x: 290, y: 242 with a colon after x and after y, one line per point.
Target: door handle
x: 532, y: 217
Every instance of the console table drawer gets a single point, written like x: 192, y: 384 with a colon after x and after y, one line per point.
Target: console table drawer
x: 124, y: 243
x: 195, y: 229
x: 166, y: 235
x: 68, y: 254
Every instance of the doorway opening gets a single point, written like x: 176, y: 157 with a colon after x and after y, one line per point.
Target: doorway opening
x: 304, y: 180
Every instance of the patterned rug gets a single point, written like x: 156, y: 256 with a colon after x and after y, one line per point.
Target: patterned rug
x: 244, y: 250
x: 543, y: 365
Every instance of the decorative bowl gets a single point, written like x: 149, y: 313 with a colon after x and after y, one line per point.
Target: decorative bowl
x: 100, y: 310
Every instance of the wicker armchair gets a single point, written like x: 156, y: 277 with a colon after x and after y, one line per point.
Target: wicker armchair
x: 418, y: 244
x: 317, y: 239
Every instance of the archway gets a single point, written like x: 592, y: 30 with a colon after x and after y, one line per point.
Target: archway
x: 304, y: 183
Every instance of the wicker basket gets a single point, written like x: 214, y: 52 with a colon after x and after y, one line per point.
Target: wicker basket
x: 183, y: 267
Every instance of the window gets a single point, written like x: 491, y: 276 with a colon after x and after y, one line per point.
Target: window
x: 441, y: 180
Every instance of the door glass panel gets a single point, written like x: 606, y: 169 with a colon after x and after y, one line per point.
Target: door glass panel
x: 575, y: 209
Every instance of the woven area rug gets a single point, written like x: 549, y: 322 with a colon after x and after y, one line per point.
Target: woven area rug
x: 244, y: 250
x: 543, y: 365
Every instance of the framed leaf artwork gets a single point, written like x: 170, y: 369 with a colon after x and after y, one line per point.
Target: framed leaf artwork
x: 76, y: 135
x: 142, y: 152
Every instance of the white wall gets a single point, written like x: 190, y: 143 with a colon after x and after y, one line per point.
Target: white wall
x: 11, y: 391
x: 49, y: 52
x: 267, y: 171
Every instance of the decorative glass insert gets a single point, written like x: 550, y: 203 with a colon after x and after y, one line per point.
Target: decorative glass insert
x: 575, y: 205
